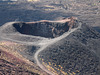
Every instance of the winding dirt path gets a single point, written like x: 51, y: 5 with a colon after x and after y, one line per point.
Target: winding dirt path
x: 45, y: 44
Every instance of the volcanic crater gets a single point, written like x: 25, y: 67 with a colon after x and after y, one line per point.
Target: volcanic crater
x: 45, y: 28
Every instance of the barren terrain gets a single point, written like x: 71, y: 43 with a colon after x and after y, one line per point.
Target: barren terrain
x: 43, y: 38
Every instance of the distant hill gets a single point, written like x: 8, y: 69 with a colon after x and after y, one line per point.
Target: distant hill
x: 86, y: 10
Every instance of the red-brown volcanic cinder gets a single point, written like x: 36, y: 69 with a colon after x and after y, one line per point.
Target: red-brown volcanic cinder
x: 11, y: 65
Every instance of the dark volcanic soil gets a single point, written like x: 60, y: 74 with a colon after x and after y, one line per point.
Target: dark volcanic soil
x: 79, y: 53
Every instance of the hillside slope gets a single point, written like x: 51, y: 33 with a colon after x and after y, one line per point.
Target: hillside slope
x: 77, y: 54
x: 62, y: 47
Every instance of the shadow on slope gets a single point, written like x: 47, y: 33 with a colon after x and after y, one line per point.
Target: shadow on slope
x: 97, y: 28
x: 43, y: 29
